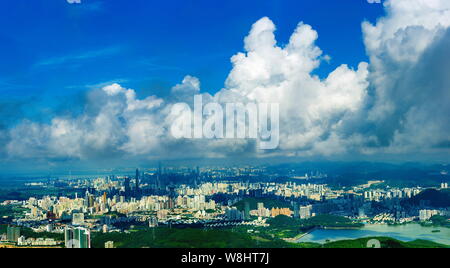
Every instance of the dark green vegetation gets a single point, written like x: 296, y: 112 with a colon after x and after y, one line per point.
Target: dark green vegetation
x: 11, y: 211
x: 268, y: 203
x: 29, y: 233
x: 431, y: 197
x: 187, y: 238
x: 386, y: 242
x: 6, y: 211
x: 199, y: 238
x: 438, y: 221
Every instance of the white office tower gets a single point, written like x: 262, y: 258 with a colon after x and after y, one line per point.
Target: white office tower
x: 305, y: 212
x: 77, y: 237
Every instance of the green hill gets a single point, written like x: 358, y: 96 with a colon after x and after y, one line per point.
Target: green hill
x: 199, y: 238
x: 386, y: 242
x: 432, y: 197
x: 3, y: 229
x: 187, y: 238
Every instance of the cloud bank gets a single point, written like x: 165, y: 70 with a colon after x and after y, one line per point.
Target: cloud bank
x: 398, y: 102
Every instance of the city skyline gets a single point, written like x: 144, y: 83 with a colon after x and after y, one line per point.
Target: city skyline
x: 263, y: 207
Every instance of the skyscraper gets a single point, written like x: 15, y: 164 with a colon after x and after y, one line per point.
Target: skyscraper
x: 158, y: 182
x: 91, y: 201
x: 13, y: 233
x: 305, y: 212
x: 137, y: 181
x: 77, y: 237
x: 247, y: 211
x: 197, y: 177
x: 109, y: 244
x: 127, y: 187
x: 296, y: 211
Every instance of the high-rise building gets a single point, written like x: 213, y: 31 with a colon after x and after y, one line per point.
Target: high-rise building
x: 13, y: 233
x: 91, y: 201
x: 49, y: 228
x: 104, y: 198
x: 296, y: 211
x: 262, y: 211
x: 153, y: 222
x: 77, y: 237
x: 260, y: 206
x: 247, y: 211
x: 22, y: 241
x: 127, y: 187
x: 86, y: 198
x: 109, y: 244
x: 305, y: 212
x: 233, y: 214
x: 197, y: 177
x: 158, y: 182
x: 137, y: 182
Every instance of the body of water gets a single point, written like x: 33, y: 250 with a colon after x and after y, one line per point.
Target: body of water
x: 404, y: 233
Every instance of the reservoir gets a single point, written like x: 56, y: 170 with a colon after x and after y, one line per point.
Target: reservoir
x: 404, y: 233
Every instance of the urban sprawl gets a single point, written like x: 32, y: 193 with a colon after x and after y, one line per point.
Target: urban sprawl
x: 197, y: 198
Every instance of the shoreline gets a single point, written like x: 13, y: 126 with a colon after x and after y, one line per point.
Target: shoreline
x: 300, y: 236
x: 425, y: 230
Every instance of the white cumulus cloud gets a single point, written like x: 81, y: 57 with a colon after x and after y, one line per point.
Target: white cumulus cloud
x: 398, y: 102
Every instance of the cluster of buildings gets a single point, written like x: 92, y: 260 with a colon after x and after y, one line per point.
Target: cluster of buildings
x: 300, y: 212
x: 382, y: 194
x: 102, y: 204
x: 13, y: 235
x: 37, y: 242
x: 427, y: 214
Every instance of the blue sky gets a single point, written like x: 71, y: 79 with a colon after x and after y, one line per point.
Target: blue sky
x: 68, y: 71
x: 52, y: 50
